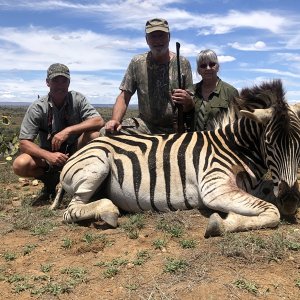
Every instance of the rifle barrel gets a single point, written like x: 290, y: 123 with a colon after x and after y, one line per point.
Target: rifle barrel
x: 180, y: 122
x: 178, y: 63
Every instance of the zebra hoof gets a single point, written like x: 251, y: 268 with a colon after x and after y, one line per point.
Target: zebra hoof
x: 110, y: 218
x: 215, y: 226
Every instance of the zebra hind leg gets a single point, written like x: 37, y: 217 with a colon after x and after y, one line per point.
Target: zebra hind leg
x: 58, y: 198
x: 102, y: 209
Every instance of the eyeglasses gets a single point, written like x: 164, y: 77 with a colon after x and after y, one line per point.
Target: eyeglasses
x: 211, y: 65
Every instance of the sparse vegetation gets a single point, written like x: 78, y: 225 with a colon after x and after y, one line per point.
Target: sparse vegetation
x: 67, y: 243
x: 159, y: 244
x: 185, y: 244
x: 133, y: 225
x: 252, y: 248
x: 76, y: 273
x: 170, y: 226
x: 5, y: 197
x: 246, y: 285
x: 141, y: 257
x: 42, y: 228
x: 175, y: 265
x: 53, y: 288
x: 9, y: 142
x: 88, y: 238
x: 28, y: 249
x: 113, y: 267
x: 297, y: 283
x: 9, y: 256
x: 46, y: 268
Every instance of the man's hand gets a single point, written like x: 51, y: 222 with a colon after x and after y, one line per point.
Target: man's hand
x: 112, y: 126
x: 183, y: 98
x: 58, y: 139
x: 57, y: 159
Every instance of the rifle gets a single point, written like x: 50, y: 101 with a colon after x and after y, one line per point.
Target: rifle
x: 181, y: 85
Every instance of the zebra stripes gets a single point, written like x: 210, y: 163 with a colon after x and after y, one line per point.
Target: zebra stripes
x: 150, y: 161
x: 222, y: 169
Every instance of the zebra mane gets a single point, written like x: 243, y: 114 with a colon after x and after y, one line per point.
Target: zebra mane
x: 222, y: 119
x: 266, y: 95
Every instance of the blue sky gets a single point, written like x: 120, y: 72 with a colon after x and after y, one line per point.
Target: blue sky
x: 255, y: 41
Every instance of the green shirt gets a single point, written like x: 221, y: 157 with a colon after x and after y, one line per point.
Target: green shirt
x: 154, y: 83
x: 218, y: 102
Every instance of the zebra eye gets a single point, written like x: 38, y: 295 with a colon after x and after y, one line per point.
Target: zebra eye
x: 268, y: 140
x: 269, y: 137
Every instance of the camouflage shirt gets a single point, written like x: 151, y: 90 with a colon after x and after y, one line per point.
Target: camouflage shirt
x: 154, y: 83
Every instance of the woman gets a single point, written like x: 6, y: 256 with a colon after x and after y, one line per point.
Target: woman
x: 212, y: 95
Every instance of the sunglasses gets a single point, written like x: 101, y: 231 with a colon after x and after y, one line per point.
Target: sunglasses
x: 211, y: 65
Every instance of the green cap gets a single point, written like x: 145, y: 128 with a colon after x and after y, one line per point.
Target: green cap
x: 157, y: 24
x: 58, y: 70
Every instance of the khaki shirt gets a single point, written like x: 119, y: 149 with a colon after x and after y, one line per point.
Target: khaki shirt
x: 154, y: 83
x: 38, y: 121
x: 218, y: 102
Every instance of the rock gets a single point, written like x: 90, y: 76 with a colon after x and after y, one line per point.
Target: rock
x: 22, y: 180
x: 130, y: 265
x: 17, y: 203
x: 35, y: 182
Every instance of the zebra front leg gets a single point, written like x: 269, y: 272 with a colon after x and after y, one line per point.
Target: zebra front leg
x: 235, y: 223
x: 102, y: 209
x: 245, y: 212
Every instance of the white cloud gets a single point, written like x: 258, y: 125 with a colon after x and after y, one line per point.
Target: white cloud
x: 288, y: 57
x: 131, y: 14
x: 293, y: 42
x: 257, y: 46
x: 263, y: 20
x: 97, y: 89
x: 225, y: 58
x: 80, y: 50
x: 274, y: 72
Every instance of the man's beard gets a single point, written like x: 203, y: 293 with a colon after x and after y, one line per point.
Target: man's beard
x: 159, y: 51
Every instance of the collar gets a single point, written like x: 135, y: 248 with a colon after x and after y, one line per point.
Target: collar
x: 52, y: 104
x: 216, y: 90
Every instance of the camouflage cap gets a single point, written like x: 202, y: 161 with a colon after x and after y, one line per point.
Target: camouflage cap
x: 58, y: 70
x: 157, y: 24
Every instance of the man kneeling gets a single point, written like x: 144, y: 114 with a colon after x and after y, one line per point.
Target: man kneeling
x: 64, y: 121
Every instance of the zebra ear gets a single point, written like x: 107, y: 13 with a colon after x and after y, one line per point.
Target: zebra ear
x: 296, y: 108
x: 258, y: 115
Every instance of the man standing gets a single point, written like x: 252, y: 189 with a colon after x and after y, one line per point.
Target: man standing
x: 154, y: 75
x: 64, y: 121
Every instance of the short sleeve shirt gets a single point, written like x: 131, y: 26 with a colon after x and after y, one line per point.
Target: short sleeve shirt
x: 154, y: 83
x: 218, y: 102
x: 43, y: 118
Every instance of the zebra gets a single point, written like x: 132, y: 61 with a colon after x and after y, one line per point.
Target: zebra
x: 222, y: 169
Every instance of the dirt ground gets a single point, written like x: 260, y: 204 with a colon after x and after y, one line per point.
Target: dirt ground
x: 149, y: 256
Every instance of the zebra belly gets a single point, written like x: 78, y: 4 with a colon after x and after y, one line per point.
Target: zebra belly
x: 128, y: 199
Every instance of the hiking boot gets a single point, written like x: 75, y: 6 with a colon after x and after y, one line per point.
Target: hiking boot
x: 47, y: 193
x: 44, y: 197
